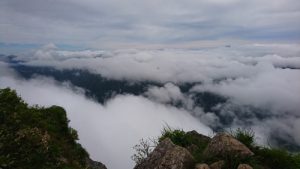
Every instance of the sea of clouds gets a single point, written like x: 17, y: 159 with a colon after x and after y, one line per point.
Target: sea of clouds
x: 265, y: 77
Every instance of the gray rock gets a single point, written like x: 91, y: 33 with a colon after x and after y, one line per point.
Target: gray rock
x: 91, y: 164
x: 224, y: 145
x: 167, y: 156
x: 199, y: 137
x: 202, y: 166
x: 244, y: 166
x: 217, y: 165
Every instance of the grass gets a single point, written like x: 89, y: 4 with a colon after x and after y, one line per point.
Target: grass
x: 264, y: 158
x: 187, y: 140
x: 245, y: 136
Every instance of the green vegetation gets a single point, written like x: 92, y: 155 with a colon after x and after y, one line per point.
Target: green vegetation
x: 36, y: 137
x: 194, y: 142
x: 178, y: 137
x: 246, y: 137
x: 264, y: 158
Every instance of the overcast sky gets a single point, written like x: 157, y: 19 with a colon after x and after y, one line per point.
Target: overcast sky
x: 135, y: 23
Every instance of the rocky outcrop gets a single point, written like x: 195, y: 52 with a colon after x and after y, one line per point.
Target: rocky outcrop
x: 202, y: 166
x: 244, y: 166
x: 218, y: 151
x: 198, y: 137
x: 167, y: 156
x: 91, y: 164
x: 224, y: 145
x: 217, y: 165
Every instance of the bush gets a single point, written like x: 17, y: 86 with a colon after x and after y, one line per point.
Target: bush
x: 177, y: 136
x: 36, y: 137
x: 188, y: 140
x: 277, y: 158
x: 245, y: 136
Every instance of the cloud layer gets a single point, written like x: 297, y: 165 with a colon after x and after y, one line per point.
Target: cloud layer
x: 258, y: 83
x: 260, y: 80
x: 175, y: 65
x: 109, y: 131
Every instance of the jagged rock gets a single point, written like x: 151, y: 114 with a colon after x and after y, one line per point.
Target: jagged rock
x: 199, y: 137
x: 202, y: 166
x: 192, y: 148
x: 167, y: 156
x: 217, y: 165
x: 244, y: 166
x: 91, y: 164
x: 224, y: 145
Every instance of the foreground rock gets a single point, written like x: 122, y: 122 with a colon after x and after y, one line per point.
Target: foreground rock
x: 168, y: 156
x: 244, y: 166
x: 202, y: 166
x: 200, y: 138
x: 217, y: 165
x: 94, y: 164
x: 223, y: 145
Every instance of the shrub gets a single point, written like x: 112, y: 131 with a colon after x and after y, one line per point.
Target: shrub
x: 143, y: 150
x: 188, y: 140
x: 245, y: 136
x: 36, y: 137
x: 278, y: 158
x: 177, y: 136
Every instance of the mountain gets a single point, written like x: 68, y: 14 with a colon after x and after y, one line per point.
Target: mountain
x: 33, y: 137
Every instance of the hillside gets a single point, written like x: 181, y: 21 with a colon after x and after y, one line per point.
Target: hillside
x: 38, y: 137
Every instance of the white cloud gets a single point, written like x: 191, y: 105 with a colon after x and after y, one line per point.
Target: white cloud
x: 272, y: 88
x: 167, y: 94
x: 263, y: 76
x: 172, y: 65
x: 109, y: 131
x: 5, y: 70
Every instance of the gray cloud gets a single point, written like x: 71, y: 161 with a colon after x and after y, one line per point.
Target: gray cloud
x: 260, y: 81
x: 174, y: 65
x: 102, y: 23
x: 109, y: 131
x: 167, y: 94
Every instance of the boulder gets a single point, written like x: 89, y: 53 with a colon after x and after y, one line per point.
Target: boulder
x: 198, y: 137
x: 167, y: 156
x: 217, y: 165
x: 224, y: 145
x: 202, y: 166
x: 244, y: 166
x: 91, y: 164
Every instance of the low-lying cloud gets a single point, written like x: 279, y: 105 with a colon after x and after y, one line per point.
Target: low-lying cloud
x: 171, y: 65
x: 109, y: 131
x: 257, y: 83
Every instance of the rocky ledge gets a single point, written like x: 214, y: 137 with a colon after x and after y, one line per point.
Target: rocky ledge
x: 167, y: 155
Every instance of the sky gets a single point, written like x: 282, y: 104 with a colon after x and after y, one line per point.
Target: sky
x: 101, y: 24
